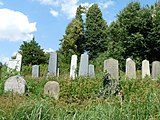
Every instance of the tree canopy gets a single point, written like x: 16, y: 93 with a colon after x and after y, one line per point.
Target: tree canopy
x: 32, y: 53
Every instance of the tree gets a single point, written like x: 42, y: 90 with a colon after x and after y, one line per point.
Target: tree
x: 73, y: 40
x: 96, y: 31
x: 32, y: 53
x: 136, y: 23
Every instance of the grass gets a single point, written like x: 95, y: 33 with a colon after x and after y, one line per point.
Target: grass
x: 80, y: 100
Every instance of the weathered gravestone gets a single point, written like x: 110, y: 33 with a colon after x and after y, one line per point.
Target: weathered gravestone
x: 16, y: 63
x: 130, y: 69
x: 52, y: 68
x: 155, y: 69
x: 52, y: 89
x: 16, y: 84
x: 83, y: 69
x: 35, y: 71
x: 111, y: 66
x: 145, y: 69
x: 91, y: 71
x: 73, y: 67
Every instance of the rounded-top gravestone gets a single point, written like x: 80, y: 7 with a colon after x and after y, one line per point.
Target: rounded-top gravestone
x: 52, y: 89
x: 15, y: 84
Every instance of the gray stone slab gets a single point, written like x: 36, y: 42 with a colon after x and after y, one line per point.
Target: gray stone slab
x: 145, y: 69
x: 112, y: 67
x: 130, y: 69
x: 35, y: 71
x: 52, y: 68
x: 155, y: 69
x: 16, y: 84
x: 91, y: 71
x: 83, y: 68
x: 73, y: 67
x: 52, y: 89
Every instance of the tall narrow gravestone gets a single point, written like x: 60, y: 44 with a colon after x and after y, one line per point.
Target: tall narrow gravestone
x: 111, y: 66
x: 145, y: 69
x: 91, y: 71
x: 35, y: 71
x: 73, y: 67
x: 130, y: 69
x: 83, y: 69
x: 155, y: 69
x: 52, y: 68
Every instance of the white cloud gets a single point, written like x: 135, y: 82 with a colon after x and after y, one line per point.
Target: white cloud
x: 49, y: 50
x: 1, y: 3
x: 15, y: 26
x: 106, y: 4
x: 69, y: 7
x: 54, y: 13
x: 49, y: 2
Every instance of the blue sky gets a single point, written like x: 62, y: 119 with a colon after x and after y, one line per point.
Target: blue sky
x: 46, y: 20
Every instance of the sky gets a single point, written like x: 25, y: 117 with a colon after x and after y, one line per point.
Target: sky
x: 46, y: 20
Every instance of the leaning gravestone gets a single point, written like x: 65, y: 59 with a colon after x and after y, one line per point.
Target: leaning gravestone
x: 52, y: 68
x: 16, y: 84
x: 35, y: 71
x: 73, y: 67
x: 155, y: 69
x: 83, y: 69
x: 111, y: 65
x: 145, y: 69
x: 91, y: 71
x: 15, y: 63
x: 52, y: 89
x: 130, y: 69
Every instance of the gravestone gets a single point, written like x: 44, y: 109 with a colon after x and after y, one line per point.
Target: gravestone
x: 16, y: 63
x: 130, y: 69
x: 145, y: 69
x: 52, y: 89
x: 16, y: 84
x: 91, y: 71
x: 155, y: 69
x: 73, y: 67
x: 57, y: 72
x: 83, y: 69
x: 35, y: 71
x: 52, y: 68
x: 111, y: 66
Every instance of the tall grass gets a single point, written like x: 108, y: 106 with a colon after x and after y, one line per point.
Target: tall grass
x: 80, y: 100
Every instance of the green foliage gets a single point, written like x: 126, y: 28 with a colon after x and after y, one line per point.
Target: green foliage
x: 73, y: 40
x: 96, y: 32
x: 32, y: 53
x: 79, y: 100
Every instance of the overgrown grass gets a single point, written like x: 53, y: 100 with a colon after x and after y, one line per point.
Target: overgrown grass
x: 80, y: 100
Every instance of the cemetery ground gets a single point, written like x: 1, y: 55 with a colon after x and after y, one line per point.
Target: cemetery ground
x: 80, y: 100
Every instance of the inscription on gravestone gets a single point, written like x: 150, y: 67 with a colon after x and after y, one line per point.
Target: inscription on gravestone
x: 52, y: 68
x: 130, y: 69
x: 83, y: 69
x: 155, y: 69
x: 111, y: 65
x: 73, y: 67
x: 35, y: 71
x: 145, y: 68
